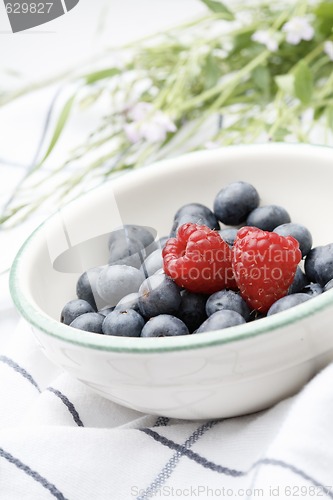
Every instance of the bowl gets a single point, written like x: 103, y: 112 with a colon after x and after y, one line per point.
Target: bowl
x: 240, y: 370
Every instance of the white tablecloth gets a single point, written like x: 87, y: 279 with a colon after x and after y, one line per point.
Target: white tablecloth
x: 57, y: 438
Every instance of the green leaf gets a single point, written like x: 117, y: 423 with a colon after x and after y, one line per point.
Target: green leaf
x: 280, y: 134
x: 285, y: 83
x: 219, y: 8
x: 262, y: 78
x: 303, y: 85
x: 324, y: 13
x: 211, y: 72
x: 100, y: 75
x: 325, y: 26
x: 60, y: 125
x: 319, y: 112
x: 243, y: 41
x: 325, y: 10
x: 329, y: 116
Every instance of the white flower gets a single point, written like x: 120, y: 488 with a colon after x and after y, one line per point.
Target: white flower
x: 222, y: 53
x: 267, y: 38
x: 328, y: 49
x: 297, y: 29
x: 148, y: 123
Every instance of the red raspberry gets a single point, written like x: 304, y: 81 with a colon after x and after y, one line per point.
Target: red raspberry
x: 264, y: 265
x: 198, y: 260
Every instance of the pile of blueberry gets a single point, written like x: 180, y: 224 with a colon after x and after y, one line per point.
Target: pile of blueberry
x: 134, y: 295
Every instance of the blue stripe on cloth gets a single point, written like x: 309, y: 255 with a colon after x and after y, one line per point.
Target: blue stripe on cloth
x: 161, y: 422
x: 20, y: 370
x: 233, y: 472
x: 68, y: 404
x: 169, y: 467
x: 297, y: 471
x: 33, y: 474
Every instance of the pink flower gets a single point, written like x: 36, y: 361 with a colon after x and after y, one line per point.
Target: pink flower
x: 148, y: 124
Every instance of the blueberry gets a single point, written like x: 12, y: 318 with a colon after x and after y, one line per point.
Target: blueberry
x: 192, y: 309
x: 227, y: 300
x: 268, y: 217
x: 287, y: 302
x: 229, y: 235
x: 159, y: 295
x: 131, y: 244
x: 319, y: 264
x: 234, y: 202
x: 105, y: 311
x: 164, y: 325
x: 89, y: 322
x: 130, y: 301
x: 73, y: 309
x: 129, y: 231
x: 123, y: 323
x: 312, y: 289
x: 299, y: 232
x: 114, y: 282
x: 300, y: 281
x: 152, y: 263
x: 328, y: 286
x: 199, y: 211
x: 220, y: 320
x: 194, y: 219
x: 128, y: 252
x: 86, y: 287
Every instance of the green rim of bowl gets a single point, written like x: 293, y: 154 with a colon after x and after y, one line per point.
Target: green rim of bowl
x: 55, y: 329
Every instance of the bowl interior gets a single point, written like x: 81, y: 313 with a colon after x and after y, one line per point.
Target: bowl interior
x: 297, y: 177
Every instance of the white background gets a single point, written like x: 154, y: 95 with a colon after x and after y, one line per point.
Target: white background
x: 81, y: 33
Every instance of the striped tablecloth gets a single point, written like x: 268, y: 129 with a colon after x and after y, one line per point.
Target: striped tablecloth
x: 59, y: 439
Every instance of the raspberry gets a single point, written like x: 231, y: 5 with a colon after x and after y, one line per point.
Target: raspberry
x: 198, y: 260
x: 264, y: 265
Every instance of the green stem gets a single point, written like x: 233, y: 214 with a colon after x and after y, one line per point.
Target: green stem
x: 238, y: 78
x: 144, y: 155
x: 327, y: 89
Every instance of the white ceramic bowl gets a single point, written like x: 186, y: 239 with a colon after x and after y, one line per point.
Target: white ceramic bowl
x: 217, y: 374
